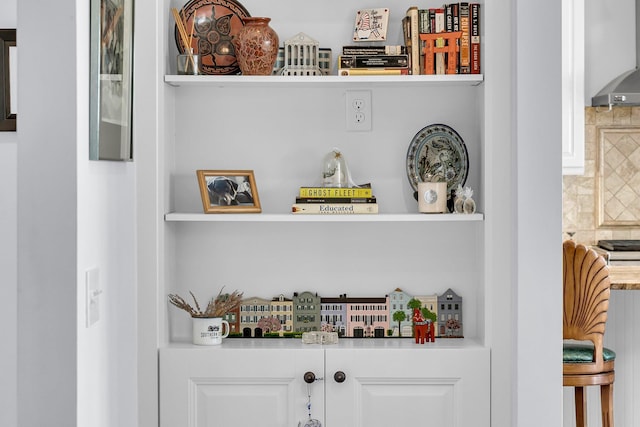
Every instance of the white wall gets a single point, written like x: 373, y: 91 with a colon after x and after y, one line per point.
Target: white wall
x: 106, y: 241
x: 538, y: 192
x: 73, y: 215
x: 8, y: 244
x: 47, y: 246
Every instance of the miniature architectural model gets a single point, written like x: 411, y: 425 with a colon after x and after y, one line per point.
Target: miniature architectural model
x: 395, y: 314
x: 301, y: 56
x: 282, y: 309
x: 367, y: 317
x: 450, y: 314
x: 333, y: 315
x: 398, y: 304
x: 252, y: 310
x: 306, y: 312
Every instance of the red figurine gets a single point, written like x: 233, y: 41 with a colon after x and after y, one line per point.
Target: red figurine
x: 423, y: 329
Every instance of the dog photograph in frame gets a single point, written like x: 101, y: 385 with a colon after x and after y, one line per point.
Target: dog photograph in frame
x: 228, y: 191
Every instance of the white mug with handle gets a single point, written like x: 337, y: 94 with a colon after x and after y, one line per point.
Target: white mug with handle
x: 209, y: 330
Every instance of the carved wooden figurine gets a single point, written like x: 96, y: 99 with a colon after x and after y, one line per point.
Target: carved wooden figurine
x: 423, y: 329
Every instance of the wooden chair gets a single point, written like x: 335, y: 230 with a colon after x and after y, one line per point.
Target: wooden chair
x: 586, y: 289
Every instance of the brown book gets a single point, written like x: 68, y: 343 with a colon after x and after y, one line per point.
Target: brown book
x: 414, y: 33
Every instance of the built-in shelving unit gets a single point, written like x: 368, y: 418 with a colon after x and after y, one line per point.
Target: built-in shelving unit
x: 281, y: 127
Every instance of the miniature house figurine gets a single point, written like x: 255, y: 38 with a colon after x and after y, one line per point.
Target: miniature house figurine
x: 450, y: 314
x: 301, y: 56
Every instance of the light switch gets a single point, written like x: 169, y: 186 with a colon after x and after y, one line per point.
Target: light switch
x: 93, y: 291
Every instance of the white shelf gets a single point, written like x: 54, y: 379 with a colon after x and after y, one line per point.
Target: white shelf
x: 343, y: 343
x: 311, y: 81
x: 287, y: 217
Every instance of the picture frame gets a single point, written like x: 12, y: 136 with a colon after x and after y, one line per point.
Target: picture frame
x: 228, y: 191
x: 8, y: 80
x: 111, y: 80
x: 371, y: 25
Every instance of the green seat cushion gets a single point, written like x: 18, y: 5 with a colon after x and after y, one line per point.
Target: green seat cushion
x: 583, y: 353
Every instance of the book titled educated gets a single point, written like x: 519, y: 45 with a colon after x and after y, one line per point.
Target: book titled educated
x: 334, y: 208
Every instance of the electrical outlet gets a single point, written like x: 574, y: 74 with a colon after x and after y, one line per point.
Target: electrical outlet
x: 358, y: 110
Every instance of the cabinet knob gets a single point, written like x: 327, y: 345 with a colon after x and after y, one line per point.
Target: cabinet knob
x: 309, y: 377
x: 339, y: 377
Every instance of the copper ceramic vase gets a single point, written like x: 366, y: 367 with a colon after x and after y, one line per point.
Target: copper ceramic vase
x: 256, y: 47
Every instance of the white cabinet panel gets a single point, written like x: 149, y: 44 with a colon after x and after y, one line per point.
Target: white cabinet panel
x: 400, y: 400
x: 444, y: 387
x: 387, y: 383
x: 229, y: 387
x: 214, y: 402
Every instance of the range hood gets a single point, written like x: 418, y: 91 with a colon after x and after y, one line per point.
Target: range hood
x: 625, y: 89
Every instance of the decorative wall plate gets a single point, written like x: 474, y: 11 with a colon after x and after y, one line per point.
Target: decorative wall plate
x: 216, y: 22
x: 437, y: 153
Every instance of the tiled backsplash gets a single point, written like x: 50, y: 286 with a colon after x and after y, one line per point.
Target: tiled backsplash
x: 604, y: 203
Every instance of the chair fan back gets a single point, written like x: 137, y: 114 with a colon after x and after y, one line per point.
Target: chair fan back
x: 586, y: 293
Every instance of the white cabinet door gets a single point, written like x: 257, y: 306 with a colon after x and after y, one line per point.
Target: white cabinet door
x: 230, y: 387
x: 387, y: 383
x: 399, y: 387
x: 573, y: 98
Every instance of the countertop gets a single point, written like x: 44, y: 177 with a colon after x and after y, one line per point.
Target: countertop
x: 624, y: 277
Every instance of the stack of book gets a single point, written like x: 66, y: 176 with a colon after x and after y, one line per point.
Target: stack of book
x: 461, y: 17
x: 335, y: 201
x: 373, y: 60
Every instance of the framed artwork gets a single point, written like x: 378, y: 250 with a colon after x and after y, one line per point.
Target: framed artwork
x: 228, y: 191
x: 371, y: 25
x: 111, y: 79
x: 8, y: 80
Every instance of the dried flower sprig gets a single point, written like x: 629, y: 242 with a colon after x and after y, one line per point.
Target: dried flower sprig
x: 217, y: 307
